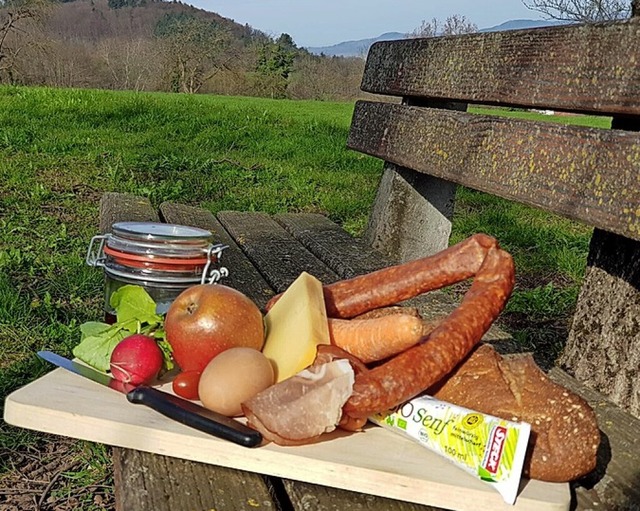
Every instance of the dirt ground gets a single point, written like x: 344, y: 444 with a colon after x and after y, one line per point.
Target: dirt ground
x: 52, y: 477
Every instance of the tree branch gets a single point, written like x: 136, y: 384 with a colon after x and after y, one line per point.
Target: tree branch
x: 583, y: 11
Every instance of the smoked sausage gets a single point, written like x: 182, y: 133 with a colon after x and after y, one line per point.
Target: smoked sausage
x: 388, y: 286
x: 414, y: 370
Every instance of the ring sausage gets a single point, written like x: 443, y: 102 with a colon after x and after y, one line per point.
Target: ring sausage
x: 416, y: 369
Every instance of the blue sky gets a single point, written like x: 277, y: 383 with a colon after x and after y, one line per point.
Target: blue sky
x: 326, y: 22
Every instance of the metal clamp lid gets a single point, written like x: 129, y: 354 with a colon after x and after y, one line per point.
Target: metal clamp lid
x: 95, y: 255
x: 159, y: 232
x: 210, y: 275
x: 213, y: 275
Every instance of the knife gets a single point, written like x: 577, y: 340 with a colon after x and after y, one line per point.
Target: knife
x: 174, y: 407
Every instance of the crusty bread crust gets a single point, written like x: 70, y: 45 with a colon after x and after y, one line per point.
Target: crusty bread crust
x: 564, y: 432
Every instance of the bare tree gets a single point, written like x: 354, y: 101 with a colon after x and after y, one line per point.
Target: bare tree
x: 453, y: 25
x: 196, y: 50
x: 457, y: 24
x: 583, y: 11
x: 132, y: 63
x: 426, y: 29
x: 326, y: 78
x: 15, y: 17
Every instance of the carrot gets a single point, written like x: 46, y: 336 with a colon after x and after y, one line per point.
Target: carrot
x: 377, y: 338
x: 387, y: 311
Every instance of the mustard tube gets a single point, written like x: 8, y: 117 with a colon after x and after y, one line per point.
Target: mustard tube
x: 488, y: 447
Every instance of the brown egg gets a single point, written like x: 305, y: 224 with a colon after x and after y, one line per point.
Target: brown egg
x: 234, y: 376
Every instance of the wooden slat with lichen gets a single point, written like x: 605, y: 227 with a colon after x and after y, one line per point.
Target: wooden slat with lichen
x: 582, y: 68
x: 587, y: 174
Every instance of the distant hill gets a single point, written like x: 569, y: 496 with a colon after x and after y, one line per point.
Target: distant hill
x: 522, y: 24
x: 94, y: 20
x: 360, y: 47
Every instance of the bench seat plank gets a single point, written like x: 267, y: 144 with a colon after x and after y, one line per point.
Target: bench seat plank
x: 546, y: 165
x: 344, y: 254
x: 531, y: 68
x: 272, y: 249
x: 307, y: 497
x: 124, y: 207
x: 242, y: 274
x: 152, y: 482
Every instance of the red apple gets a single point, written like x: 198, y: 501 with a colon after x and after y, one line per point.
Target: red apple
x: 207, y: 319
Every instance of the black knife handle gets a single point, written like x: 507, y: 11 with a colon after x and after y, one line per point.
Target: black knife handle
x: 196, y: 416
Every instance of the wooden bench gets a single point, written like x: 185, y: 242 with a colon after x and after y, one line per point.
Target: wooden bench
x: 430, y: 144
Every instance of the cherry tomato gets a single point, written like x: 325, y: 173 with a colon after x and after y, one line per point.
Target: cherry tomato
x: 186, y: 384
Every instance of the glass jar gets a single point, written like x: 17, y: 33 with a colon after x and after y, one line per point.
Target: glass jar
x: 164, y: 259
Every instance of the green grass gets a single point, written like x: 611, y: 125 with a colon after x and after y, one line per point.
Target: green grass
x: 61, y: 149
x: 589, y: 121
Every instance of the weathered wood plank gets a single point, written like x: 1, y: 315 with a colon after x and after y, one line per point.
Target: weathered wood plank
x: 273, y: 250
x: 588, y: 68
x: 344, y: 254
x: 586, y: 174
x: 242, y: 274
x: 146, y: 481
x: 615, y: 483
x: 120, y: 207
x: 306, y: 497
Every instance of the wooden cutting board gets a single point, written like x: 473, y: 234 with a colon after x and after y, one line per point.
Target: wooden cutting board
x: 375, y: 461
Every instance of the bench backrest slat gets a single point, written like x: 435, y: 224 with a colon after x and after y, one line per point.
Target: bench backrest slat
x: 588, y: 174
x: 582, y: 68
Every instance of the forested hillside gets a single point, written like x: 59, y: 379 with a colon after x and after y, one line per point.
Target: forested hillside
x: 160, y: 46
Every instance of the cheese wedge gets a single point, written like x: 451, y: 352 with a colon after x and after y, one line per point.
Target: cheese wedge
x: 295, y: 325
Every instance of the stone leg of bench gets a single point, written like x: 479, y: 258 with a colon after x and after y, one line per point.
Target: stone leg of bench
x: 412, y: 213
x: 603, y: 348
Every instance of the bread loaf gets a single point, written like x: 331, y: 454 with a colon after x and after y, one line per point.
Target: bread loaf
x: 564, y: 432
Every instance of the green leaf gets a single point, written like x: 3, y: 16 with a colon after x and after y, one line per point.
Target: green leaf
x: 134, y: 303
x: 96, y: 347
x: 135, y: 313
x: 93, y: 328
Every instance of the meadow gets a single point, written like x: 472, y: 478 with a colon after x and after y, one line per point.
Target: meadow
x: 61, y: 149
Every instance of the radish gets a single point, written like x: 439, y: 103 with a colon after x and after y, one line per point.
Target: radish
x: 136, y: 360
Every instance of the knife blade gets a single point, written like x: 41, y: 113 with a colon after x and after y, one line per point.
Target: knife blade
x: 174, y: 407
